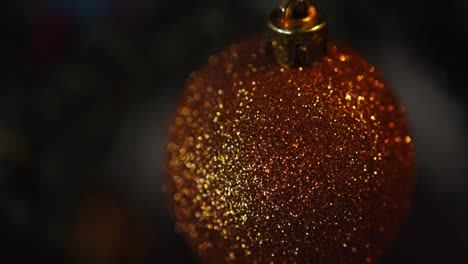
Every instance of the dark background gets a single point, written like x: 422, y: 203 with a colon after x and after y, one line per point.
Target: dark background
x: 89, y: 86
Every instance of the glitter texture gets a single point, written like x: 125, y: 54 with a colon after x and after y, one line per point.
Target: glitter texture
x: 288, y: 165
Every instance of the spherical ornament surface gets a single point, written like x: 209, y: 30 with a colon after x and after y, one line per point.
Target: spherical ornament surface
x: 288, y: 165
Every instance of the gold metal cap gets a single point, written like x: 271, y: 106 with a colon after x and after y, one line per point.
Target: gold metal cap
x: 297, y: 32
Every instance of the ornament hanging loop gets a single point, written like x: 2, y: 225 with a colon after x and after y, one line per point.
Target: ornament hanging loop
x: 297, y: 32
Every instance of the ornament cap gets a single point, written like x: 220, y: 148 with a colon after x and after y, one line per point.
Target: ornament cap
x: 297, y: 32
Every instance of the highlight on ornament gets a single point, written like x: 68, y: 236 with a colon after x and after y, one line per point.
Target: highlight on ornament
x: 294, y: 151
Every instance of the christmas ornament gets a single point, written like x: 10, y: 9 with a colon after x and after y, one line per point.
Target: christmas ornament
x: 294, y: 151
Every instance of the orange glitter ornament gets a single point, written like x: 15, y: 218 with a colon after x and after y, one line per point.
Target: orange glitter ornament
x: 268, y: 163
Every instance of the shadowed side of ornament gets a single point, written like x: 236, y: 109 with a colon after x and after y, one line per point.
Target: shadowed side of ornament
x: 300, y: 164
